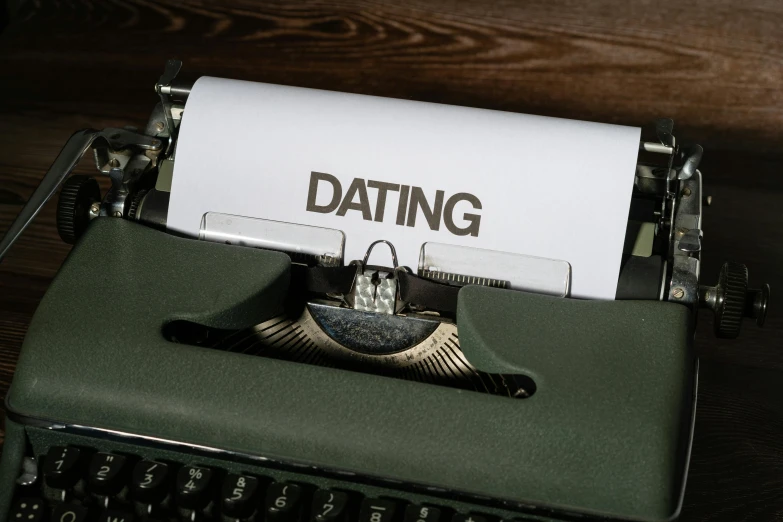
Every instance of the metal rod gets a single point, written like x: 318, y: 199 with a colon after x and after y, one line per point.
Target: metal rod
x: 70, y: 155
x: 650, y: 146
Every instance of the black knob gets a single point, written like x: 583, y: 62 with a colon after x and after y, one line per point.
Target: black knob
x: 731, y: 300
x: 756, y: 304
x: 73, y: 208
x: 732, y: 287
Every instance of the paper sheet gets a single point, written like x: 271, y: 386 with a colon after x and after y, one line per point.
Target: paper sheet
x: 408, y: 172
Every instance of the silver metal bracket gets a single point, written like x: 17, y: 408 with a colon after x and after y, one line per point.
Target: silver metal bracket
x: 461, y: 265
x: 686, y: 247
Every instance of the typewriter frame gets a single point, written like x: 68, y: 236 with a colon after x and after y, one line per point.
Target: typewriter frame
x: 134, y: 161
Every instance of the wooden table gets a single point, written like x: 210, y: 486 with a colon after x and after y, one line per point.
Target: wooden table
x: 715, y: 67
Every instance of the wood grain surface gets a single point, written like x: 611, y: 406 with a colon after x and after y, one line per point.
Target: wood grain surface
x: 716, y: 67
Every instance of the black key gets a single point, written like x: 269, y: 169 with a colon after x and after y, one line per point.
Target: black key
x: 461, y: 517
x: 150, y: 481
x: 329, y: 506
x: 28, y: 509
x: 377, y: 510
x: 69, y: 513
x: 422, y: 514
x: 283, y: 502
x: 113, y: 515
x: 240, y: 495
x: 107, y: 473
x: 194, y: 487
x: 62, y: 467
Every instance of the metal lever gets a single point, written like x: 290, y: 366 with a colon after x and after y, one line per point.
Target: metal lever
x: 73, y: 151
x: 691, y: 158
x: 163, y: 88
x: 69, y: 156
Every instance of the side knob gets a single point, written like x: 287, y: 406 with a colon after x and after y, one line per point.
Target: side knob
x: 733, y: 281
x: 731, y: 300
x: 73, y: 207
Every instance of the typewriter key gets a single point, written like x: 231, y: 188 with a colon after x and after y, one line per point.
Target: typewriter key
x: 239, y: 496
x: 329, y: 506
x: 106, y: 475
x: 116, y: 516
x: 422, y: 514
x: 69, y: 513
x: 283, y: 502
x: 28, y: 510
x: 62, y: 467
x: 150, y: 481
x: 194, y: 487
x: 378, y: 510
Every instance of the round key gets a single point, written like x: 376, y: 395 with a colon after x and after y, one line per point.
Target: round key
x: 414, y: 513
x: 194, y: 487
x: 150, y: 481
x: 283, y: 502
x: 106, y: 475
x: 69, y: 513
x: 378, y: 510
x: 61, y: 468
x: 329, y: 506
x: 239, y: 496
x: 28, y: 510
x: 113, y: 515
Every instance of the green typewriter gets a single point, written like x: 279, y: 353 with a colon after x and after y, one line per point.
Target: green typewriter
x: 168, y: 378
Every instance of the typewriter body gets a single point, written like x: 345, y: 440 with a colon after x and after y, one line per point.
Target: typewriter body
x: 173, y: 378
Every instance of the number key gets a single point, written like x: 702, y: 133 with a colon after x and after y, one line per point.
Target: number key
x: 282, y: 502
x: 330, y: 506
x: 107, y: 473
x: 377, y: 510
x: 239, y: 496
x: 150, y: 481
x: 62, y: 467
x: 194, y: 487
x: 422, y: 514
x: 69, y: 513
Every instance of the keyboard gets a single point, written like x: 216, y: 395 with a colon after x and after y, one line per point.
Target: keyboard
x: 76, y: 478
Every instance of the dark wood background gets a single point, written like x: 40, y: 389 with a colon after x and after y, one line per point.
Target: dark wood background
x: 716, y: 67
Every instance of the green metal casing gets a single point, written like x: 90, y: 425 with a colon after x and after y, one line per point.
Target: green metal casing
x: 605, y: 434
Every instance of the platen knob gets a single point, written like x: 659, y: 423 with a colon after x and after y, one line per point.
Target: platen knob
x: 732, y: 285
x: 731, y: 300
x: 73, y: 207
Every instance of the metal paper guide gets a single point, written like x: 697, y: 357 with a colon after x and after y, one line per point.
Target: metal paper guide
x: 327, y: 174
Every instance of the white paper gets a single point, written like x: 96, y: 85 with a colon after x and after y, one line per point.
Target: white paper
x: 547, y: 187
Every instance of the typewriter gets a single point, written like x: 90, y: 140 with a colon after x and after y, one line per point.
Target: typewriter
x: 167, y: 378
